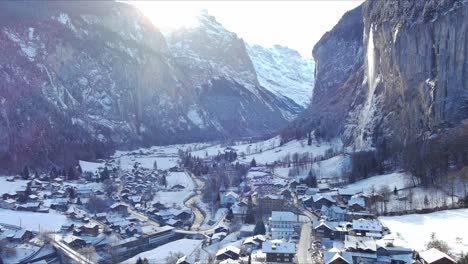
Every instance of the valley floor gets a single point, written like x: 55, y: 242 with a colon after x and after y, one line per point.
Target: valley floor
x: 415, y: 230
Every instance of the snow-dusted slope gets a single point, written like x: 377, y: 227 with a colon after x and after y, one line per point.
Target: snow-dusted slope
x: 284, y: 72
x: 79, y: 81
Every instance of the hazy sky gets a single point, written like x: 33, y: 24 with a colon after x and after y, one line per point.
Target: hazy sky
x: 296, y: 24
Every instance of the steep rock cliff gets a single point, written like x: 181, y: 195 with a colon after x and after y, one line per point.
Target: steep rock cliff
x: 392, y: 69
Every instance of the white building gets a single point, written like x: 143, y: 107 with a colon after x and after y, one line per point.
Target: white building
x: 282, y: 224
x: 228, y: 197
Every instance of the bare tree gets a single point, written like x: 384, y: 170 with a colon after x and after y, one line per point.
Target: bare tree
x: 385, y: 192
x: 89, y: 253
x: 437, y: 244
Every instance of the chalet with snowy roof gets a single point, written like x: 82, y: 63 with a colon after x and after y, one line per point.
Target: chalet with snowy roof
x: 362, y: 248
x: 7, y: 204
x: 396, y: 255
x: 279, y: 252
x: 9, y: 195
x: 218, y: 237
x: 356, y: 204
x: 325, y: 229
x: 338, y: 258
x: 67, y: 227
x: 254, y: 242
x: 363, y: 227
x: 333, y: 213
x: 346, y: 194
x: 350, y: 216
x: 31, y: 206
x: 20, y: 236
x: 435, y: 256
x: 246, y: 230
x: 74, y: 242
x: 90, y: 229
x: 227, y: 198
x: 60, y: 204
x: 320, y: 200
x: 174, y: 222
x: 119, y: 208
x: 180, y: 214
x: 229, y: 252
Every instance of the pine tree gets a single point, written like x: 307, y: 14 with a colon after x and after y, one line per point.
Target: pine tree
x: 426, y: 201
x: 71, y: 173
x: 28, y: 190
x: 309, y: 139
x: 164, y: 181
x: 253, y: 163
x: 155, y: 165
x: 395, y: 191
x: 139, y: 261
x: 230, y: 215
x: 259, y: 228
x: 25, y: 173
x: 105, y: 174
x: 78, y: 201
x: 311, y: 180
x: 249, y: 216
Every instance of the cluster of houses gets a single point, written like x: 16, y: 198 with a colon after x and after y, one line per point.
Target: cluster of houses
x: 277, y: 246
x: 138, y: 190
x: 267, y: 193
x: 349, y: 233
x: 127, y: 234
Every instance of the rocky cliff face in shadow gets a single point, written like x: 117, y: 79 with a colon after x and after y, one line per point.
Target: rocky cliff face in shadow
x: 398, y: 71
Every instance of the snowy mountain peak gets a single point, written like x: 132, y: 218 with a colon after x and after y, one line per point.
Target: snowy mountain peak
x: 284, y: 72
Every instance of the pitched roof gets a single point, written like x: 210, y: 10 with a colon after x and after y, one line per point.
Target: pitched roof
x: 283, y: 216
x: 367, y: 225
x: 319, y: 197
x: 274, y: 247
x: 233, y: 249
x: 329, y: 257
x: 433, y: 254
x: 360, y: 243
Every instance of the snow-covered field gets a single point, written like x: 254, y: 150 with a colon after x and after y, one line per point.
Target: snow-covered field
x: 159, y: 254
x: 88, y: 166
x: 392, y: 180
x: 332, y: 167
x: 6, y: 186
x: 415, y: 230
x: 169, y: 197
x: 33, y: 221
x: 270, y: 150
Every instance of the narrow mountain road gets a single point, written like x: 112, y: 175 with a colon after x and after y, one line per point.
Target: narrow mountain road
x: 303, y: 254
x: 191, y: 202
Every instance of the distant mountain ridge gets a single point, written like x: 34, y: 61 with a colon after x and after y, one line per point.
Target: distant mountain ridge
x: 81, y: 80
x: 284, y: 72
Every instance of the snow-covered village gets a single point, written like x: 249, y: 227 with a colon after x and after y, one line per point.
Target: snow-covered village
x: 234, y: 132
x: 217, y: 203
